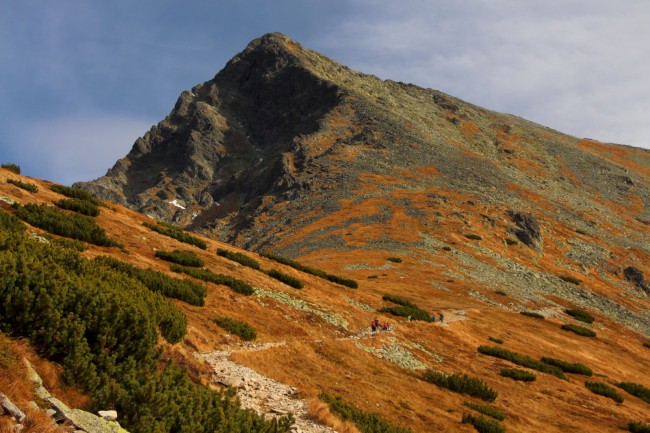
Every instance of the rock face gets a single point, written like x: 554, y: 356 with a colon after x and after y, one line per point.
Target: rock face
x: 285, y: 137
x: 636, y: 276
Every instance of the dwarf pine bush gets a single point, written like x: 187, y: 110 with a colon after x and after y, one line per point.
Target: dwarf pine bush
x: 522, y: 360
x: 315, y: 272
x: 462, y: 384
x: 568, y: 367
x: 580, y: 330
x: 176, y: 233
x: 77, y: 193
x: 516, y: 374
x: 532, y: 314
x: 236, y: 285
x: 80, y: 206
x: 365, y: 422
x: 286, y: 279
x: 579, y: 314
x: 239, y: 258
x: 486, y: 410
x: 496, y: 340
x: 184, y: 258
x: 241, y: 329
x: 604, y: 390
x: 636, y: 390
x: 482, y: 424
x: 638, y: 427
x: 26, y: 186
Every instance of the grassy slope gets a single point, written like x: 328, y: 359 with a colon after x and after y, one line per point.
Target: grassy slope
x: 315, y: 359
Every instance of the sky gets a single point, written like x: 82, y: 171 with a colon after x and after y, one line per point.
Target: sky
x: 81, y: 80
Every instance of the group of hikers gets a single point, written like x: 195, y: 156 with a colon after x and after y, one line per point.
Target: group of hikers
x: 376, y: 326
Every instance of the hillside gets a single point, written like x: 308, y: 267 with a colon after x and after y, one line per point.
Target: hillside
x: 413, y: 194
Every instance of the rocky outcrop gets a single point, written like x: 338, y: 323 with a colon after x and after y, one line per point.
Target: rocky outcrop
x: 527, y: 230
x: 636, y: 276
x: 11, y: 409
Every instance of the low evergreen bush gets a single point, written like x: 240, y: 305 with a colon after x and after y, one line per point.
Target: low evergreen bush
x: 73, y: 226
x: 236, y: 285
x: 26, y: 186
x: 580, y: 330
x: 176, y: 233
x: 570, y: 279
x: 636, y: 390
x: 482, y: 424
x: 474, y: 237
x: 14, y: 168
x: 72, y: 244
x: 646, y: 344
x: 9, y: 223
x: 500, y: 293
x: 532, y: 314
x: 286, y: 279
x: 604, y: 390
x: 241, y: 329
x: 239, y: 258
x: 496, y: 340
x: 316, y: 272
x: 446, y: 248
x: 638, y: 427
x: 516, y: 374
x: 184, y: 258
x: 510, y: 241
x: 399, y: 301
x: 365, y: 422
x: 80, y: 206
x: 462, y: 384
x: 522, y: 360
x: 184, y: 290
x: 486, y: 410
x: 77, y: 193
x: 394, y: 259
x: 579, y: 314
x: 401, y: 311
x: 568, y: 367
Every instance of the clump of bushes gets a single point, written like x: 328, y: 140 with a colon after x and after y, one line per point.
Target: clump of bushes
x: 474, y: 237
x: 365, y: 422
x: 241, y: 329
x: 394, y: 259
x: 580, y: 330
x: 522, y: 360
x: 176, y: 233
x: 26, y: 186
x: 604, y: 390
x: 517, y: 374
x: 316, y: 272
x: 239, y: 258
x: 184, y: 290
x: 637, y: 427
x: 646, y: 344
x: 500, y: 293
x: 636, y: 390
x: 532, y: 314
x: 570, y: 279
x: 496, y: 340
x: 568, y: 367
x: 510, y: 241
x: 405, y: 308
x: 286, y: 279
x: 482, y: 424
x: 236, y: 285
x: 579, y: 314
x: 486, y: 410
x: 462, y: 384
x: 446, y: 248
x: 77, y: 193
x: 80, y: 206
x: 184, y: 258
x: 72, y: 244
x: 14, y: 168
x: 73, y: 226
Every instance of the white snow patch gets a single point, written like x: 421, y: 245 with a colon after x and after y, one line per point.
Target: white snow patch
x: 175, y: 203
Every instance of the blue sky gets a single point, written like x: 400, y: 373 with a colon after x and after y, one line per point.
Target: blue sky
x: 82, y: 79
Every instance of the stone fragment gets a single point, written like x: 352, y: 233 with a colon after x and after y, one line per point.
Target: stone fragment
x: 108, y: 415
x: 11, y: 408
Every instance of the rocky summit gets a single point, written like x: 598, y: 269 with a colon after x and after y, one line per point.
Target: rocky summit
x: 507, y: 265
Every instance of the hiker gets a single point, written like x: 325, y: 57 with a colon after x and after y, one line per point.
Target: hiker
x: 386, y: 327
x: 433, y: 318
x: 373, y: 326
x: 442, y: 318
x: 408, y: 318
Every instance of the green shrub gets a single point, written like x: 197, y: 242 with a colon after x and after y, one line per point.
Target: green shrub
x: 579, y: 314
x: 646, y: 344
x: 80, y: 206
x: 73, y: 226
x: 286, y: 279
x: 637, y: 427
x: 176, y: 233
x: 241, y: 329
x: 532, y: 314
x: 236, y: 285
x: 26, y: 186
x: 399, y: 301
x: 486, y: 410
x: 8, y: 360
x: 14, y: 168
x: 446, y: 248
x: 316, y: 272
x: 10, y: 223
x: 401, y: 311
x: 580, y: 330
x: 568, y: 367
x: 394, y: 259
x: 462, y: 384
x: 372, y: 277
x: 500, y: 292
x: 570, y: 279
x: 365, y: 422
x: 77, y: 193
x: 517, y: 374
x: 636, y: 390
x: 72, y: 244
x: 184, y: 290
x: 185, y: 258
x: 522, y: 360
x: 239, y: 258
x: 482, y: 424
x: 510, y: 241
x: 496, y: 340
x: 474, y: 237
x: 604, y: 390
